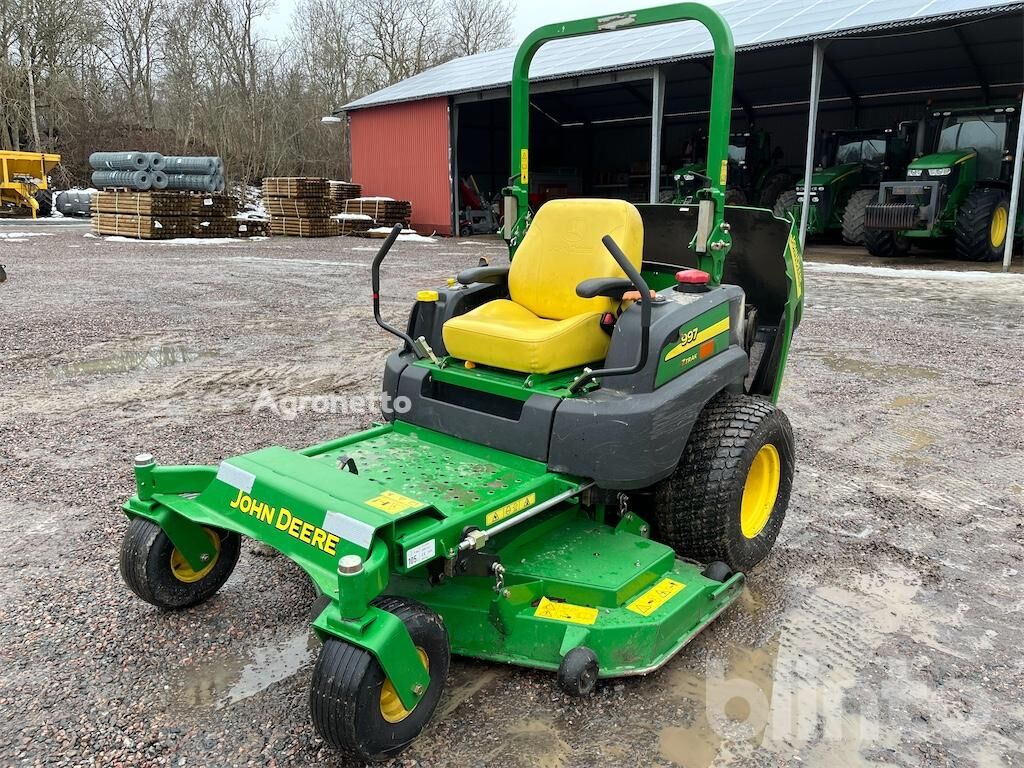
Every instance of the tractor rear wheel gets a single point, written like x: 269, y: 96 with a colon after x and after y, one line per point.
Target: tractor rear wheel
x: 727, y: 499
x: 735, y: 196
x: 353, y: 704
x: 884, y: 243
x: 981, y: 225
x: 853, y: 216
x: 156, y: 571
x: 774, y: 187
x: 44, y: 199
x: 786, y: 203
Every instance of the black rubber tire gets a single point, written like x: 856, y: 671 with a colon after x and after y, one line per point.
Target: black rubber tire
x: 718, y: 571
x: 854, y: 214
x: 774, y: 187
x: 972, y: 238
x: 697, y: 508
x: 735, y: 196
x: 344, y: 698
x: 578, y: 672
x: 784, y: 203
x: 44, y: 198
x: 885, y: 243
x: 146, y: 566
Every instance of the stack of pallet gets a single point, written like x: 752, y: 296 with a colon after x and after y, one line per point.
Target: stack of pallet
x: 142, y: 215
x: 354, y: 223
x: 300, y: 207
x: 213, y: 215
x: 383, y: 210
x: 342, y: 191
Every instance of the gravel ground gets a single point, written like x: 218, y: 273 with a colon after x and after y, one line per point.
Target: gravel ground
x: 885, y: 629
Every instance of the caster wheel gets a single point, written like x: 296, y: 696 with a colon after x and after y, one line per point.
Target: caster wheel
x: 158, y: 573
x: 577, y: 674
x: 353, y: 704
x: 718, y: 571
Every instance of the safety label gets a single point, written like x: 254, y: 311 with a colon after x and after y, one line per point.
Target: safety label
x: 656, y: 596
x: 575, y: 614
x: 393, y: 503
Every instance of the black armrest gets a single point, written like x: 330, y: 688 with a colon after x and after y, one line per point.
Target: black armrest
x: 612, y: 287
x: 491, y: 275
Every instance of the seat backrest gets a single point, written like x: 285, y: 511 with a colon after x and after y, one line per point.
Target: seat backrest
x: 563, y: 248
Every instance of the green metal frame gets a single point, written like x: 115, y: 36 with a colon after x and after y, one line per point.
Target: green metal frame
x: 720, y: 118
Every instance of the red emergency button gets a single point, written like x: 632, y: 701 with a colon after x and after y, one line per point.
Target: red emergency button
x: 692, y: 277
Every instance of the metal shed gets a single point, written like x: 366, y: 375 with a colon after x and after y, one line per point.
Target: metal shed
x: 625, y: 100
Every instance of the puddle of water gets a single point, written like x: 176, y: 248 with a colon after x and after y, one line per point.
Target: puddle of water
x: 233, y: 679
x: 159, y: 356
x: 877, y: 371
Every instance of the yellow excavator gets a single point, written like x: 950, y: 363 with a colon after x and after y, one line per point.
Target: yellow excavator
x: 23, y: 182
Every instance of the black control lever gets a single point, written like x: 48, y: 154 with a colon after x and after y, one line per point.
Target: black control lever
x: 375, y: 280
x: 645, y: 319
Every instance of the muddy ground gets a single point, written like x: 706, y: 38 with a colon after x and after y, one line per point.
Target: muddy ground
x: 885, y: 629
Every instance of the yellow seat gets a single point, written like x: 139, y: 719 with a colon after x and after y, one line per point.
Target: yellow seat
x: 545, y: 326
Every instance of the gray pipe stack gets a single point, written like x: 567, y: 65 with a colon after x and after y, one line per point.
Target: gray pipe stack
x: 143, y: 171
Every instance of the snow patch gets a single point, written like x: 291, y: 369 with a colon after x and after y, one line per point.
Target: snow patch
x: 407, y: 236
x: 968, y: 276
x: 22, y: 235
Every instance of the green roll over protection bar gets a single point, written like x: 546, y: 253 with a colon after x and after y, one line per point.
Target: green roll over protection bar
x: 713, y: 243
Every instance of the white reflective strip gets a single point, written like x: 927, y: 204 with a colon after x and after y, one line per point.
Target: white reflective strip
x: 235, y: 477
x: 350, y: 529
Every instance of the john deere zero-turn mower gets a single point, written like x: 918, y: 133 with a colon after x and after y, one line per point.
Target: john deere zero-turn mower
x: 755, y: 178
x: 959, y: 192
x: 628, y: 359
x: 857, y: 161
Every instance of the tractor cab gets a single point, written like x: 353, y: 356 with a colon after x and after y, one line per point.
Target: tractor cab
x: 755, y: 177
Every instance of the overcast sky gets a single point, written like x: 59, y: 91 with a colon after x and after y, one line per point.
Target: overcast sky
x: 530, y: 14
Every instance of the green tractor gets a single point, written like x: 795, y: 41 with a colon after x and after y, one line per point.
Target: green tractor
x: 855, y: 162
x: 755, y: 177
x: 960, y: 191
x: 583, y: 458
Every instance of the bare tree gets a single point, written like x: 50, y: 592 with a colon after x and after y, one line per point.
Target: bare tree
x: 478, y: 25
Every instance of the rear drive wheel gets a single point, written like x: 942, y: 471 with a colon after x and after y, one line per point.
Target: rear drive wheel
x: 727, y: 499
x: 157, y: 572
x: 785, y: 204
x: 853, y: 216
x: 780, y: 182
x: 981, y: 225
x: 44, y: 199
x: 884, y: 243
x: 353, y: 704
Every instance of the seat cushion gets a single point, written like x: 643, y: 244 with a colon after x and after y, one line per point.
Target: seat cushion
x: 503, y: 334
x: 563, y: 248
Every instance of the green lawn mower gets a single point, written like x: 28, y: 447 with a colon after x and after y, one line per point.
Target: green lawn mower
x: 588, y: 459
x: 856, y: 161
x: 960, y: 191
x: 754, y: 175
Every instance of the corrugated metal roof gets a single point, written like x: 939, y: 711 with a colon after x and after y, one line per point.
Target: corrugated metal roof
x: 755, y: 24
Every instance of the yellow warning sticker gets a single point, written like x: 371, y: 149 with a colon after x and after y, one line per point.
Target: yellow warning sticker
x: 510, y: 509
x: 798, y: 266
x: 656, y: 596
x: 393, y: 503
x: 524, y: 165
x: 574, y: 614
x: 724, y: 175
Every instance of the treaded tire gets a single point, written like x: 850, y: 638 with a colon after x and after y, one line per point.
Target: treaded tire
x: 345, y: 695
x: 972, y: 238
x: 778, y: 184
x: 854, y: 214
x: 884, y: 243
x: 146, y: 553
x: 785, y: 202
x: 578, y: 672
x: 44, y: 198
x: 697, y: 508
x: 718, y: 571
x: 736, y: 196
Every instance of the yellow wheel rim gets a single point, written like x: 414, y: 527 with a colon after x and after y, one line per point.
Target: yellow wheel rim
x: 184, y: 573
x: 391, y: 707
x: 760, y: 491
x: 1000, y: 220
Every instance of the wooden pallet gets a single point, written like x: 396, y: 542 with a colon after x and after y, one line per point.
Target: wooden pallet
x: 299, y: 227
x: 295, y: 186
x: 142, y: 227
x: 385, y: 211
x: 142, y: 203
x: 213, y: 205
x: 299, y: 208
